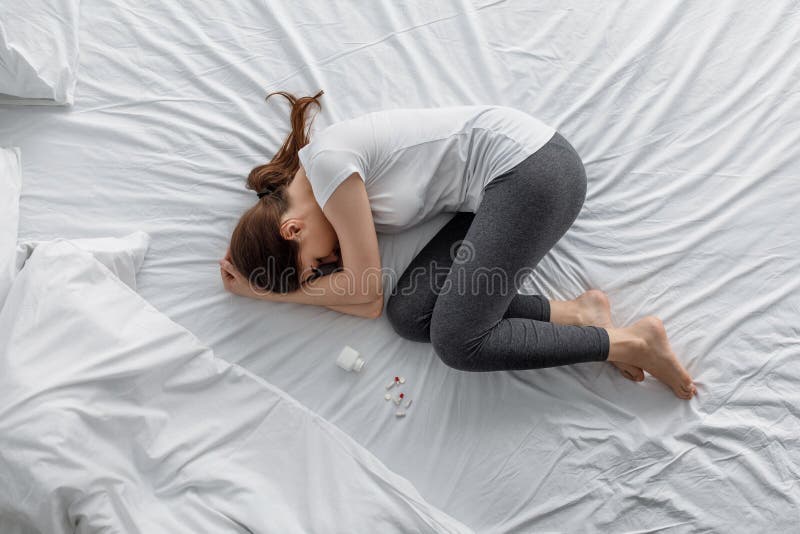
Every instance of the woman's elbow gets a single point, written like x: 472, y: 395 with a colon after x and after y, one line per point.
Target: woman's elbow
x: 371, y: 284
x: 377, y: 309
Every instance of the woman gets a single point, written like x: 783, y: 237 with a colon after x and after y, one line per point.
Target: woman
x: 515, y: 186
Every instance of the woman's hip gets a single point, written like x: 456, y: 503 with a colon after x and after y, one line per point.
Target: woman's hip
x: 551, y: 181
x: 556, y: 161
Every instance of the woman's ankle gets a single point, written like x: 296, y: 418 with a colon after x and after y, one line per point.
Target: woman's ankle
x: 626, y: 345
x: 565, y: 312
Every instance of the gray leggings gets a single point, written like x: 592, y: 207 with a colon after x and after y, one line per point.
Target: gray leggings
x: 460, y: 292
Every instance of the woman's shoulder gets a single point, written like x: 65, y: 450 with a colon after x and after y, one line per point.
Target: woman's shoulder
x: 346, y: 133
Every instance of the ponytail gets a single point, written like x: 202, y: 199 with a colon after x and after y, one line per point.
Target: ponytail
x: 283, y: 166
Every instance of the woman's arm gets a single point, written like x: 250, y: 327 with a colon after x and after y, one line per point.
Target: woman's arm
x: 368, y: 310
x: 349, y: 212
x: 329, y: 290
x: 340, y: 288
x: 237, y: 284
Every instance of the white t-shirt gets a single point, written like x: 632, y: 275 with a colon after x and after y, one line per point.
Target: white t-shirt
x: 419, y: 162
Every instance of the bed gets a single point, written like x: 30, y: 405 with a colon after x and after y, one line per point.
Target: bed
x: 687, y: 117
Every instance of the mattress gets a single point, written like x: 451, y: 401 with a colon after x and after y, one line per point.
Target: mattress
x: 686, y: 116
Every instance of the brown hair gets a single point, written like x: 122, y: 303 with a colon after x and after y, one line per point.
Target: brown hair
x: 258, y: 251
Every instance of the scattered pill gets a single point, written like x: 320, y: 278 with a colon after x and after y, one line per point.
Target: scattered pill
x: 400, y: 397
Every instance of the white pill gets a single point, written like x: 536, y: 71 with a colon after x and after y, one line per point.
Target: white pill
x: 408, y: 403
x: 402, y: 380
x: 400, y: 413
x: 387, y: 396
x: 390, y: 385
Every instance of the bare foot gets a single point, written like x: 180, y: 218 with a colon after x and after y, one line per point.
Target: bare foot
x: 631, y: 372
x: 655, y: 356
x: 595, y: 310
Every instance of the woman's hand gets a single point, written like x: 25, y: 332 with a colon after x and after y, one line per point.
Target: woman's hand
x: 233, y: 280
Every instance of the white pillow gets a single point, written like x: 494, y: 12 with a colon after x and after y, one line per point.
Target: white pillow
x: 113, y: 418
x: 10, y: 186
x: 38, y: 51
x: 122, y: 255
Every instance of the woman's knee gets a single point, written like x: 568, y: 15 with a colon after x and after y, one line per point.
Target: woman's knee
x: 406, y: 317
x: 448, y: 341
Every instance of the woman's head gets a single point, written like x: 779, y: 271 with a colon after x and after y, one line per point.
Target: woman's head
x: 285, y: 235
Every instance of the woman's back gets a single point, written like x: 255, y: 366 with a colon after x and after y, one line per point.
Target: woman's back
x: 419, y: 162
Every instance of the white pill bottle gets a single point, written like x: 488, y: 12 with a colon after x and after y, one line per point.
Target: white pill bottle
x: 350, y: 359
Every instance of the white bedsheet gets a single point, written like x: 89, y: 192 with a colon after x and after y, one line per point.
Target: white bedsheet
x: 686, y: 115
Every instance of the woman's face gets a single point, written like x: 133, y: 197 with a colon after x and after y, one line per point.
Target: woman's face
x: 318, y: 244
x: 306, y: 223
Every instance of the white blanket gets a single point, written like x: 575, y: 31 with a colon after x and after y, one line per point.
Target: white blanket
x: 10, y: 186
x: 685, y: 114
x: 115, y: 419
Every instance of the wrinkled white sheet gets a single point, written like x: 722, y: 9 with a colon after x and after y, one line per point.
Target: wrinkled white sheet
x: 686, y: 115
x: 38, y: 51
x: 115, y: 419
